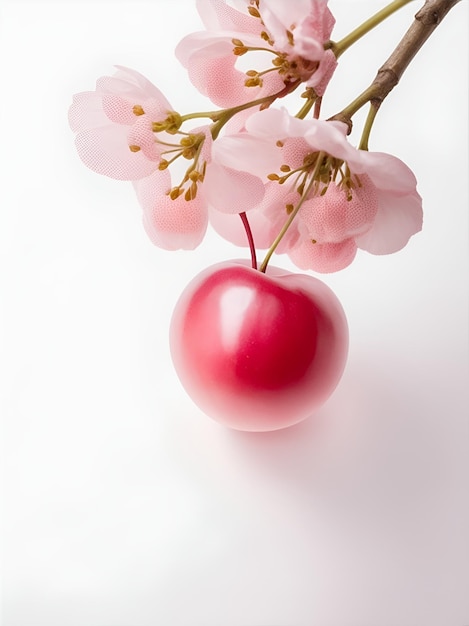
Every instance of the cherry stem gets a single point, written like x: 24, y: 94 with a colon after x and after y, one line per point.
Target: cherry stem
x: 250, y: 238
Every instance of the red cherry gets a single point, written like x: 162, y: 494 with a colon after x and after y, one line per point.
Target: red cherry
x: 258, y: 351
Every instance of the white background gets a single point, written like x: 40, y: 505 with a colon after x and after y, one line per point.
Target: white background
x: 123, y: 504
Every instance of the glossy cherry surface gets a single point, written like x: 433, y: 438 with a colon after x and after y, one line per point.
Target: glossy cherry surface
x: 258, y: 351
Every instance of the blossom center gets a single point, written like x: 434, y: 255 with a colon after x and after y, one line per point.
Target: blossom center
x: 316, y: 173
x: 290, y: 66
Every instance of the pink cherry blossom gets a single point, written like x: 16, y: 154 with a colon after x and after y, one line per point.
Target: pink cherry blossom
x: 116, y: 136
x: 220, y: 181
x: 175, y: 214
x: 362, y: 199
x: 114, y: 125
x: 291, y: 34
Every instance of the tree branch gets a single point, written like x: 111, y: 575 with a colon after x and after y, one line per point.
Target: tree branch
x: 390, y: 73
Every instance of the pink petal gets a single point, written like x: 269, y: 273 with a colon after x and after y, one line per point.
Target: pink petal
x: 246, y: 152
x: 132, y: 86
x: 331, y: 137
x: 279, y: 17
x: 324, y: 258
x: 217, y: 15
x: 210, y: 61
x: 274, y: 206
x: 212, y: 71
x: 294, y: 151
x: 237, y: 123
x: 230, y: 227
x: 275, y: 124
x: 278, y: 124
x: 321, y: 77
x: 149, y: 189
x: 105, y: 150
x: 118, y: 110
x: 388, y: 172
x: 218, y: 80
x: 141, y: 135
x: 170, y: 224
x: 318, y: 20
x: 207, y: 45
x: 398, y: 218
x: 86, y: 112
x: 231, y: 191
x: 332, y: 218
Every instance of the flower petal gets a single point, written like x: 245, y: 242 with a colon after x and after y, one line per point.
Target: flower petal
x: 86, y: 112
x: 218, y: 79
x: 324, y: 258
x: 141, y: 134
x: 331, y: 137
x: 231, y: 191
x: 388, y: 172
x: 245, y: 152
x: 231, y: 228
x: 398, y: 218
x: 218, y: 15
x: 275, y: 124
x: 131, y: 85
x: 334, y: 216
x: 105, y: 150
x: 310, y: 22
x: 321, y: 77
x: 170, y: 224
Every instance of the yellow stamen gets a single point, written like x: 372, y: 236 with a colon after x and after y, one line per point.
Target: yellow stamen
x: 175, y: 193
x: 253, y: 11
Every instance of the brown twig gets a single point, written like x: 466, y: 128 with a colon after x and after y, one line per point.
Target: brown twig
x: 389, y: 74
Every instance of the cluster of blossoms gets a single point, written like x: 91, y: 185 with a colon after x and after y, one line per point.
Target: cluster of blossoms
x: 303, y: 187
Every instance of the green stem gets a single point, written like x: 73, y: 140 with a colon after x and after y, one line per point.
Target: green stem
x: 306, y: 108
x: 293, y: 214
x: 374, y: 106
x: 198, y: 114
x: 225, y: 114
x: 339, y: 47
x: 222, y: 117
x: 346, y: 114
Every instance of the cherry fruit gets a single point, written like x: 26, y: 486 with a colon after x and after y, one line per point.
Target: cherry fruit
x: 258, y: 351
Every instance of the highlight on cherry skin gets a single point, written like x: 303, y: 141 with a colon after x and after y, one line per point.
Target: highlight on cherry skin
x: 258, y: 351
